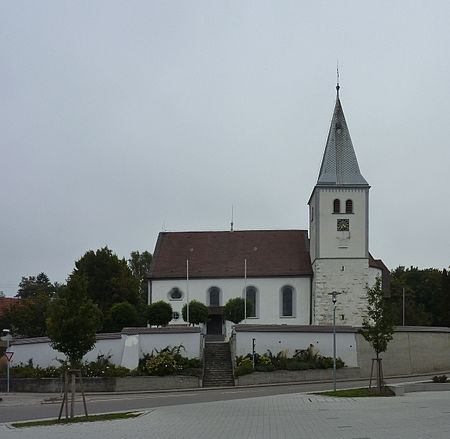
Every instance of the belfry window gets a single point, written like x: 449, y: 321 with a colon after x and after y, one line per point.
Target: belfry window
x: 349, y: 206
x: 336, y: 206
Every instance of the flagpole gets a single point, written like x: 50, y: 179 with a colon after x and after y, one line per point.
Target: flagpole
x: 187, y: 291
x: 245, y: 290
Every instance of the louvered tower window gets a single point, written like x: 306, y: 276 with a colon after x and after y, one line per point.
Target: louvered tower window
x: 349, y: 206
x: 336, y: 206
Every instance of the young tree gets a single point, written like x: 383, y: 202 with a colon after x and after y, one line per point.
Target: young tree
x: 73, y: 321
x: 159, y: 313
x: 234, y: 310
x: 198, y: 312
x: 377, y: 326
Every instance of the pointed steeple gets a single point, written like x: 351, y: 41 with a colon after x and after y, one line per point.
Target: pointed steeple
x: 339, y: 164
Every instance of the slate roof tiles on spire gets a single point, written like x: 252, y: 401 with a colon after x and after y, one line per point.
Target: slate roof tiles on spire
x: 339, y: 164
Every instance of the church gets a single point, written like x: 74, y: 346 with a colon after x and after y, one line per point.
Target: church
x: 286, y: 276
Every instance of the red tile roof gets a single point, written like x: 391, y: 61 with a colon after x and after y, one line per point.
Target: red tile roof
x: 6, y: 302
x: 221, y: 254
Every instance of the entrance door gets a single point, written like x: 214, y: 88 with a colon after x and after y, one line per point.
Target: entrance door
x: 214, y: 325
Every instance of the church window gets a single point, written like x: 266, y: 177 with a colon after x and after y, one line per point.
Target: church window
x: 214, y: 296
x: 175, y: 294
x: 349, y: 206
x: 336, y: 206
x: 287, y: 301
x: 252, y: 301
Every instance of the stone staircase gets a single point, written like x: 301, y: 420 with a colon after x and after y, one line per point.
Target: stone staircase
x: 218, y: 370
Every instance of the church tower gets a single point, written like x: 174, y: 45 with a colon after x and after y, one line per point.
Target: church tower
x: 339, y: 230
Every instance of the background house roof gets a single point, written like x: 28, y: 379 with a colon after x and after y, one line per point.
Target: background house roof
x: 221, y: 254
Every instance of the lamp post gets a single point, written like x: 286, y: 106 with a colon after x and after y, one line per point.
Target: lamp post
x: 334, y: 295
x: 7, y: 337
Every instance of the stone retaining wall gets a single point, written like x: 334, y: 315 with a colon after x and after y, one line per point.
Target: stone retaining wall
x: 291, y: 376
x: 120, y: 384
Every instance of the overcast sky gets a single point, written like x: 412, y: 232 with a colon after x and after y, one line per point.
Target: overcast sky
x: 122, y: 118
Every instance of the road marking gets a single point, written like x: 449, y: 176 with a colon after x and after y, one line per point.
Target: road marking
x: 141, y: 397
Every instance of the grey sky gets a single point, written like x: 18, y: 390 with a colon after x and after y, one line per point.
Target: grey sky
x: 117, y: 118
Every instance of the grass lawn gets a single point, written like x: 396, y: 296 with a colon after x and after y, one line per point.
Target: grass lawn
x: 356, y: 393
x: 92, y: 418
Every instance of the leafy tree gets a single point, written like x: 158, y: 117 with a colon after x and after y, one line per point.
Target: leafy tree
x: 159, y: 313
x: 377, y: 327
x: 73, y: 321
x: 123, y: 314
x: 108, y: 280
x: 139, y: 264
x: 31, y: 286
x: 27, y: 317
x: 234, y: 309
x: 198, y: 312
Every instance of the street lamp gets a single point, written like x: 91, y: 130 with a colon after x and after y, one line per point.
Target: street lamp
x: 7, y: 337
x: 334, y: 295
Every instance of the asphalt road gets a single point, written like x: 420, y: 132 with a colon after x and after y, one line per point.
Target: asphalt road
x: 110, y: 402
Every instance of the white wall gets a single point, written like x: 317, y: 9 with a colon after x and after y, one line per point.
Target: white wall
x: 290, y: 341
x: 125, y: 350
x: 268, y: 311
x: 330, y: 240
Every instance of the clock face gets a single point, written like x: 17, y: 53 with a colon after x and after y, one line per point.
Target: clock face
x: 343, y: 225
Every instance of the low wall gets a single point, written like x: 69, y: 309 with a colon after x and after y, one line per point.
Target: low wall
x: 123, y: 349
x: 413, y: 350
x: 119, y: 384
x: 292, y: 376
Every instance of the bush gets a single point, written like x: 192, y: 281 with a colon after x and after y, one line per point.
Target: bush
x: 439, y: 379
x: 244, y: 366
x: 234, y: 310
x: 121, y: 315
x: 198, y: 312
x: 159, y: 313
x: 169, y: 361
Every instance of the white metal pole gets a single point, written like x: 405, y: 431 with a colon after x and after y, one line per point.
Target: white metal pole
x: 334, y: 346
x: 7, y: 366
x: 187, y: 290
x: 245, y: 290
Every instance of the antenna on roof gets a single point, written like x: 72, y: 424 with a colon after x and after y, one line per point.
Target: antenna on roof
x: 232, y: 217
x: 337, y: 78
x: 163, y: 226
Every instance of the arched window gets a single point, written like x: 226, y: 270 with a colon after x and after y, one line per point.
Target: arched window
x: 336, y: 206
x: 287, y: 301
x: 175, y: 294
x: 214, y: 296
x: 349, y: 206
x: 252, y: 301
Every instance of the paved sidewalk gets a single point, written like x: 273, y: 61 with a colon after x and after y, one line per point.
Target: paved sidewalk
x: 293, y: 416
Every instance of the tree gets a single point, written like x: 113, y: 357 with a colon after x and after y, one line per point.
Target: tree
x: 377, y: 326
x: 73, y: 321
x: 121, y: 315
x: 27, y: 317
x: 159, y: 313
x: 198, y: 312
x: 139, y: 264
x: 234, y: 310
x: 31, y: 286
x: 108, y: 280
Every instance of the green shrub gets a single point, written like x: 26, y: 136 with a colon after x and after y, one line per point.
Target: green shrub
x: 159, y: 313
x: 198, y: 312
x: 244, y: 366
x: 439, y: 379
